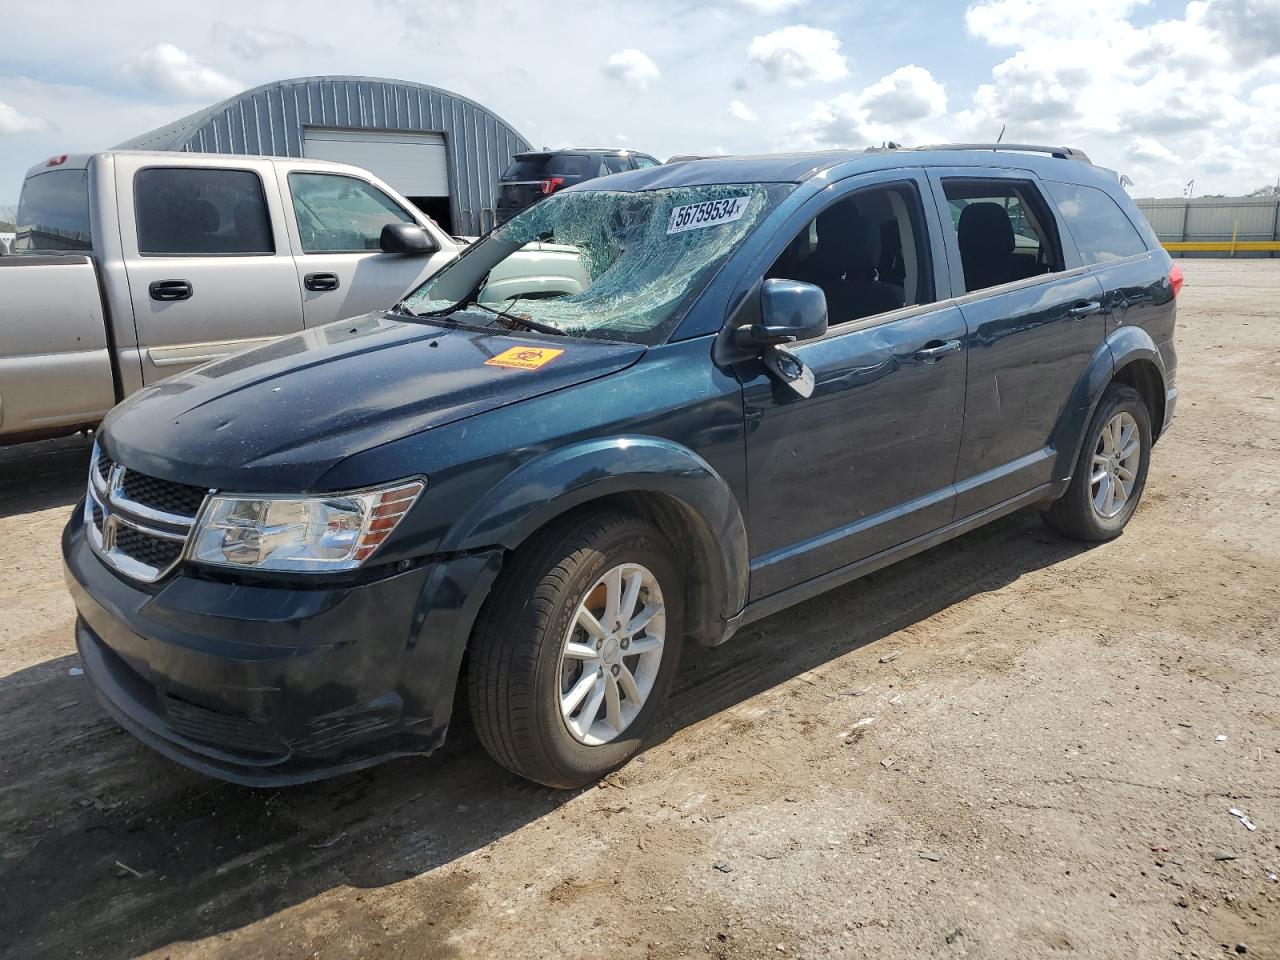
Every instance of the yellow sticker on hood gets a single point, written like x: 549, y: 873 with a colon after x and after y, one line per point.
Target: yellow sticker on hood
x: 524, y: 358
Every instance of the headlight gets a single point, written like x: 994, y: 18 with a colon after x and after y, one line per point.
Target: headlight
x: 334, y: 532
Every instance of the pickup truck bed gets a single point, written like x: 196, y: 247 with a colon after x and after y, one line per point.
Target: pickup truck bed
x: 54, y: 377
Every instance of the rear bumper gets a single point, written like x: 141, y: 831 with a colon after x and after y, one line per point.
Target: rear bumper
x: 272, y: 685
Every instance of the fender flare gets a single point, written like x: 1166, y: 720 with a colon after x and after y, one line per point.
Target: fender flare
x: 554, y: 483
x: 1120, y: 348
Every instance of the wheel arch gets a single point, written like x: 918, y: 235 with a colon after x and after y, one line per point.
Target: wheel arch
x: 655, y: 479
x: 1128, y: 355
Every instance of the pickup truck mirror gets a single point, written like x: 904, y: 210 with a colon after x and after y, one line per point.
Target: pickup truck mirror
x: 789, y: 311
x: 405, y: 238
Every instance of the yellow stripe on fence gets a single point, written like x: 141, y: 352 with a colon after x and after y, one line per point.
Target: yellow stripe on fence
x: 1221, y: 246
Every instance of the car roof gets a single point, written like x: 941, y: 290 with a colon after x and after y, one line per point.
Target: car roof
x: 552, y: 153
x: 1051, y: 163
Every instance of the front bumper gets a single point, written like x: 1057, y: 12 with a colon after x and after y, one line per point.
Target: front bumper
x: 267, y: 685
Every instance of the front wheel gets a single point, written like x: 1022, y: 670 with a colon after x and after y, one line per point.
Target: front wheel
x: 1111, y: 472
x: 574, y: 651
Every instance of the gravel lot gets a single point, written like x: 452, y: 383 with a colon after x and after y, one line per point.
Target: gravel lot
x: 1010, y: 746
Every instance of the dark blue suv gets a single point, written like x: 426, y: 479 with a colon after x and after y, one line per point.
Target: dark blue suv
x: 776, y: 374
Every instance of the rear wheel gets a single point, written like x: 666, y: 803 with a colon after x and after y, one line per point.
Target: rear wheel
x: 574, y: 652
x: 1111, y: 472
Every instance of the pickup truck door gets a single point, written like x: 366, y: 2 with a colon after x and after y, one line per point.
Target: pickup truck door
x: 867, y: 461
x: 207, y: 258
x: 335, y: 222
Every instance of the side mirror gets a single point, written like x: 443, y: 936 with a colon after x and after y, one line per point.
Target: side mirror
x: 789, y: 311
x: 405, y: 238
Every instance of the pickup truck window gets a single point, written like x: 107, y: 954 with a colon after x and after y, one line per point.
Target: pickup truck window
x: 339, y: 214
x: 645, y: 256
x: 1100, y: 228
x: 201, y: 212
x: 53, y: 212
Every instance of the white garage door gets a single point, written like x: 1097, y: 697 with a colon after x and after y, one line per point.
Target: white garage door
x: 413, y: 163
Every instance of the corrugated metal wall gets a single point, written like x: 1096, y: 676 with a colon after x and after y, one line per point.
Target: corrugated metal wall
x: 269, y: 120
x: 1215, y: 220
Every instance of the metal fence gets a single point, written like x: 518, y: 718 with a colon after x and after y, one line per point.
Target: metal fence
x: 1216, y: 226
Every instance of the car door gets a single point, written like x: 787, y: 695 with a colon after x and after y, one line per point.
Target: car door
x: 1034, y: 316
x: 207, y: 259
x: 867, y: 461
x: 336, y: 224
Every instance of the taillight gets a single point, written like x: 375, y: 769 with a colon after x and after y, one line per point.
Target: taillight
x: 57, y: 161
x: 551, y: 184
x: 1175, y: 278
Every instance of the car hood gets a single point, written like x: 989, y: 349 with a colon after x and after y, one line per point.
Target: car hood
x: 277, y: 417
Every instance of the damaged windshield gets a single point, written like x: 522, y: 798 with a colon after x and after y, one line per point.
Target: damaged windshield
x: 597, y: 263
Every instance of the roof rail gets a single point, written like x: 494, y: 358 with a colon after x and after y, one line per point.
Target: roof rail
x: 1062, y: 153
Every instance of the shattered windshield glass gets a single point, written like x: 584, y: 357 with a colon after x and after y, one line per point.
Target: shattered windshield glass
x: 598, y: 263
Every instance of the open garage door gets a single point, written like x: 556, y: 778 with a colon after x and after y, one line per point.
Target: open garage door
x: 416, y: 164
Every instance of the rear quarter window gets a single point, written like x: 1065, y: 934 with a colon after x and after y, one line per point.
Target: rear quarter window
x: 525, y: 168
x: 1101, y: 229
x: 53, y: 212
x: 568, y: 165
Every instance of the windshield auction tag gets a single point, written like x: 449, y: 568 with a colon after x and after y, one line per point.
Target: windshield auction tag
x: 709, y: 213
x: 524, y: 358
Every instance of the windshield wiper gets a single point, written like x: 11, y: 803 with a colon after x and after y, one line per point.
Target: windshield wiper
x: 525, y: 322
x: 468, y: 300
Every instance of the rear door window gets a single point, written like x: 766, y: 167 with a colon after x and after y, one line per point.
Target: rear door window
x: 1004, y: 231
x: 1100, y: 228
x: 340, y: 214
x: 201, y: 212
x: 642, y: 161
x: 616, y: 164
x: 53, y: 212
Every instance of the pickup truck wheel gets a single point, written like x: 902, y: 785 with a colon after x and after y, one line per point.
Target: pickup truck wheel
x: 1111, y: 472
x: 575, y: 650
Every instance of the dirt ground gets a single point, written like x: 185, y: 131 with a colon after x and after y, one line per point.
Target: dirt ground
x: 1010, y: 746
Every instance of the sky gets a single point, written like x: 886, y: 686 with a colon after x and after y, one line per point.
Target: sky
x: 1163, y: 92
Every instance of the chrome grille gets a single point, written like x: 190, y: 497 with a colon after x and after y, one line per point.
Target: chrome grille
x: 165, y: 496
x: 137, y: 523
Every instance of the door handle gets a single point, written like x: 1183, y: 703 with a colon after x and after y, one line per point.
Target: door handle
x: 935, y: 350
x: 167, y: 290
x: 321, y: 281
x: 1085, y: 308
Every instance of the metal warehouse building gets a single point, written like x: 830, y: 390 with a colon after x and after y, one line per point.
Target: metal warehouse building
x: 442, y: 151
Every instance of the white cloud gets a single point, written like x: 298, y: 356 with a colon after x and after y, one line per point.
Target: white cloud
x: 257, y: 43
x: 1250, y: 28
x: 908, y: 94
x: 740, y: 111
x: 769, y: 8
x: 633, y: 68
x: 13, y: 122
x: 892, y: 108
x: 169, y: 69
x: 1016, y: 22
x: 798, y: 54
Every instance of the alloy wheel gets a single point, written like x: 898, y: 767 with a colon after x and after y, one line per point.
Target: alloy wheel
x: 611, y: 654
x: 1115, y: 465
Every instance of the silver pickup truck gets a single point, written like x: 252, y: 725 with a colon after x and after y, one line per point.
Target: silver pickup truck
x: 129, y: 267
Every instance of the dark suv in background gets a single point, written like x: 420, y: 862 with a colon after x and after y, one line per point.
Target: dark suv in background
x: 539, y: 173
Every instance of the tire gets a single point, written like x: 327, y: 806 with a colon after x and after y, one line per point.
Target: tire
x: 1077, y: 514
x: 516, y: 676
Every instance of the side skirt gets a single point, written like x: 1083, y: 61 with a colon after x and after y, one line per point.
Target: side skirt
x: 767, y: 606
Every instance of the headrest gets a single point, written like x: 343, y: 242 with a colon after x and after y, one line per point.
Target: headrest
x: 984, y: 229
x: 846, y: 241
